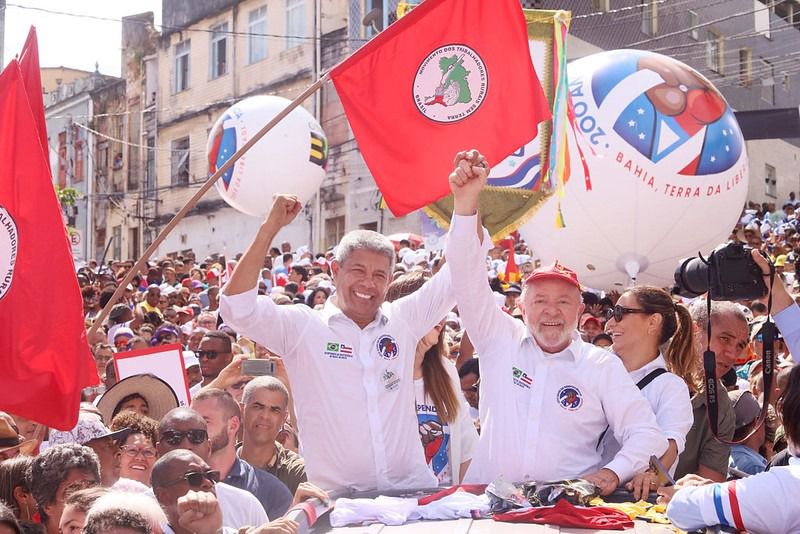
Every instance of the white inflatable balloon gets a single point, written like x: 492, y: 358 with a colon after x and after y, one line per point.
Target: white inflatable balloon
x: 668, y: 171
x: 291, y: 158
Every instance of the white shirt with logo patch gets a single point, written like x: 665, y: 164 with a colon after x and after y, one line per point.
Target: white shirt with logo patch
x: 353, y: 387
x: 542, y: 414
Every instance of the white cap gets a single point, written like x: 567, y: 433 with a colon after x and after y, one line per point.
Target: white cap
x: 190, y: 359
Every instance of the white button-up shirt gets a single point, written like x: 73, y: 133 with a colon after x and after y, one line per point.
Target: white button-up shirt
x: 353, y: 387
x: 766, y: 502
x: 669, y: 398
x: 542, y: 414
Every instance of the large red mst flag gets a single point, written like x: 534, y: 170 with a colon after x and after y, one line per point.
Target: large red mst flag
x: 449, y: 76
x: 44, y: 357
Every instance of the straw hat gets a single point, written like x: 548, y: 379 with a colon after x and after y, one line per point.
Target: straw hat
x: 10, y: 439
x: 159, y: 396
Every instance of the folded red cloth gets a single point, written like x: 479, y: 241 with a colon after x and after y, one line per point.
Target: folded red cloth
x: 564, y: 514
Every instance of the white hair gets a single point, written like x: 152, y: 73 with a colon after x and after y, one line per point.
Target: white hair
x: 270, y: 383
x: 365, y: 240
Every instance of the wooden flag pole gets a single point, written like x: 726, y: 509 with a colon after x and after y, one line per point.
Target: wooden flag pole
x: 310, y: 90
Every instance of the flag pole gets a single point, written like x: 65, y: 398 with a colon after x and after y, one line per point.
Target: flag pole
x: 310, y: 90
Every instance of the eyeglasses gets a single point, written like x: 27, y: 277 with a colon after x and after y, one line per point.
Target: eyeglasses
x: 133, y: 452
x: 175, y: 437
x: 210, y: 354
x: 618, y: 312
x: 195, y: 478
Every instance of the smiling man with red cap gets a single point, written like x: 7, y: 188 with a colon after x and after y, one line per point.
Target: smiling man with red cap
x: 546, y: 395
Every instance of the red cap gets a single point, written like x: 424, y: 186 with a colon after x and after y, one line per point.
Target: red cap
x: 556, y: 271
x: 589, y: 317
x: 186, y: 310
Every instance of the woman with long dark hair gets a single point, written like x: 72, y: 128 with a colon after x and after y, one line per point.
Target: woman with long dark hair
x: 645, y: 320
x: 446, y: 430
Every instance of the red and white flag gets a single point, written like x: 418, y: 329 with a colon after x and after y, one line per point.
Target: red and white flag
x: 44, y: 356
x: 451, y: 75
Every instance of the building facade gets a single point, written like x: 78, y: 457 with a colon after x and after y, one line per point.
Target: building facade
x: 73, y: 111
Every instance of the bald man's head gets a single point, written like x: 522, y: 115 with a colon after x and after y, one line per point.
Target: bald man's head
x: 174, y: 474
x: 183, y: 428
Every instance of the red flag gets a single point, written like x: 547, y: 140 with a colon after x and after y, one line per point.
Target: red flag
x: 32, y: 78
x: 512, y: 274
x: 43, y: 351
x: 451, y: 75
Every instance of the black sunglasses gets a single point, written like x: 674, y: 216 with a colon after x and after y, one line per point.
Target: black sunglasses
x: 618, y: 312
x: 195, y: 478
x: 210, y: 354
x: 175, y: 437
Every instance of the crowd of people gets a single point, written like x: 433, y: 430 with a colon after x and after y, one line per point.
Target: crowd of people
x: 397, y: 368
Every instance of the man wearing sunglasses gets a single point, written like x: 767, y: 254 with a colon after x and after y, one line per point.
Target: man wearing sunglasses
x: 184, y: 429
x: 176, y: 474
x: 215, y: 354
x: 548, y: 396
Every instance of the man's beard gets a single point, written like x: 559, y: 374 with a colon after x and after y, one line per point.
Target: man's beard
x: 220, y: 441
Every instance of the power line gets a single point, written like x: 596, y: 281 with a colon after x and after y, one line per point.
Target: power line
x: 175, y: 29
x: 704, y: 24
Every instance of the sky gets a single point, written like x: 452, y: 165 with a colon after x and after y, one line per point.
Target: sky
x: 73, y: 41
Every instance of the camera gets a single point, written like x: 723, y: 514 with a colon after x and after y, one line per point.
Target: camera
x: 729, y: 273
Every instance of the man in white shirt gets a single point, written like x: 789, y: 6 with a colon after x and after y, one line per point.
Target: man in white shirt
x: 546, y: 396
x: 349, y: 364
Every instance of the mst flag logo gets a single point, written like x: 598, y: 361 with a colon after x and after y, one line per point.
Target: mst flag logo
x: 450, y: 84
x: 8, y: 250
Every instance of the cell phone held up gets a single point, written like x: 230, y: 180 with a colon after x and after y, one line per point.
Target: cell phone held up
x: 253, y: 367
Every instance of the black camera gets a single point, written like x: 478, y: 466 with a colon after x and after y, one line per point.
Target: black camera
x: 729, y: 273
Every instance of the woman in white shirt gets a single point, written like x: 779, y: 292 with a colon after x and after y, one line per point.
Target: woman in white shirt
x: 448, y: 435
x: 643, y: 320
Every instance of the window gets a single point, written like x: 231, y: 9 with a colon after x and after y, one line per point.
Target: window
x: 133, y: 242
x: 745, y: 67
x: 771, y: 181
x: 80, y: 156
x: 219, y: 51
x: 257, y: 24
x: 372, y: 23
x: 650, y: 17
x: 116, y: 235
x: 334, y: 230
x: 180, y: 161
x: 62, y: 159
x: 600, y: 5
x: 182, y: 66
x: 714, y: 60
x: 295, y: 22
x: 102, y: 158
x: 767, y: 82
x: 694, y: 20
x: 150, y: 167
